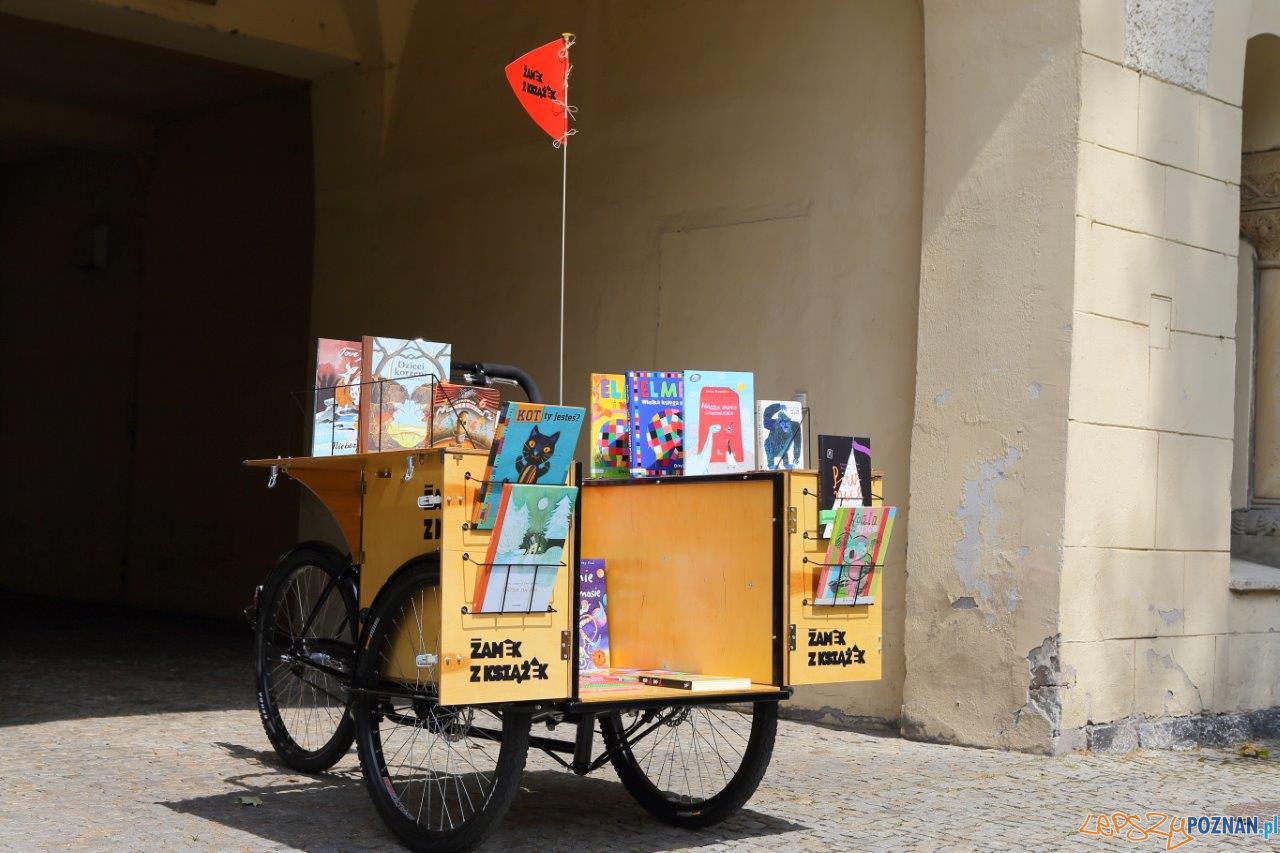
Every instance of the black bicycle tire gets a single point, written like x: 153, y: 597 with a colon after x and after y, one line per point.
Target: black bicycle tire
x: 735, y: 794
x: 512, y: 752
x: 288, y: 749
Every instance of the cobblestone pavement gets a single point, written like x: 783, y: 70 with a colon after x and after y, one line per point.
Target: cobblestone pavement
x: 120, y: 731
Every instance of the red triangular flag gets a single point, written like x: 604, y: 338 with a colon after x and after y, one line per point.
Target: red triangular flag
x: 539, y: 80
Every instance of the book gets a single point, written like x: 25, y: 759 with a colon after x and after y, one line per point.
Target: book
x: 779, y: 434
x: 337, y: 402
x: 844, y: 473
x: 533, y: 443
x: 464, y: 416
x: 719, y: 431
x: 526, y: 549
x: 595, y: 682
x: 859, y: 542
x: 593, y: 616
x: 655, y: 401
x: 610, y: 436
x: 695, y: 682
x: 399, y: 376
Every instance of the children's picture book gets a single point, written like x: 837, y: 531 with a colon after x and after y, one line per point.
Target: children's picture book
x: 337, y: 403
x: 399, y: 374
x: 593, y: 616
x: 719, y: 431
x: 603, y: 680
x: 655, y: 400
x: 844, y: 473
x: 533, y: 444
x: 860, y: 540
x: 464, y: 416
x: 526, y: 550
x: 780, y: 434
x: 610, y: 436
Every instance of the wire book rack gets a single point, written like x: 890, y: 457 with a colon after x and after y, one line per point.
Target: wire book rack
x: 506, y: 606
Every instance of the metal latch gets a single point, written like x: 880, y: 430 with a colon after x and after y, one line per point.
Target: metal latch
x: 429, y: 502
x: 791, y: 519
x: 791, y: 638
x: 565, y: 648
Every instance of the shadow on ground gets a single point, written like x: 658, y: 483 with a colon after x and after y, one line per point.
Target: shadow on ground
x: 113, y: 661
x: 332, y: 810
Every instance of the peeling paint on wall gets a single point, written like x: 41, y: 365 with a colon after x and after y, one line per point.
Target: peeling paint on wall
x: 977, y: 507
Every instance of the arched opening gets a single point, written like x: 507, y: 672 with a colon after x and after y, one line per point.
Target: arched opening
x: 1255, y: 486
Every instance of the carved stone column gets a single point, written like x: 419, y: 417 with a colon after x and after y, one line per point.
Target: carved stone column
x: 1260, y: 222
x: 1260, y: 204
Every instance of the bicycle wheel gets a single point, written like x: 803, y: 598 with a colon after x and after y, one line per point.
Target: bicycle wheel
x: 304, y: 648
x: 693, y: 766
x: 441, y: 777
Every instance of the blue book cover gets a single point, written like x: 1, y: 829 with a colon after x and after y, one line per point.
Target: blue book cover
x: 593, y: 616
x: 533, y: 444
x: 719, y: 430
x: 655, y: 403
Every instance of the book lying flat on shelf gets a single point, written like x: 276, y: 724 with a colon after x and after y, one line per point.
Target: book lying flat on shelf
x: 844, y: 473
x: 337, y: 403
x: 533, y: 443
x: 526, y: 550
x: 593, y: 616
x: 399, y: 376
x: 694, y: 682
x: 610, y: 435
x: 779, y: 434
x: 655, y: 403
x: 719, y: 431
x: 859, y: 542
x: 464, y: 416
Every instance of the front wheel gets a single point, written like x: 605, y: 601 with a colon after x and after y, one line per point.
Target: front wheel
x: 693, y: 766
x: 442, y: 777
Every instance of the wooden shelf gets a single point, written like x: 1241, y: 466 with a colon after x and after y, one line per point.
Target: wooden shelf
x: 352, y: 461
x: 647, y: 693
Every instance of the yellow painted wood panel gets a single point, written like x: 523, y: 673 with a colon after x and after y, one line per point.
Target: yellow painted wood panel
x: 690, y: 573
x: 833, y: 644
x: 395, y: 528
x: 339, y: 491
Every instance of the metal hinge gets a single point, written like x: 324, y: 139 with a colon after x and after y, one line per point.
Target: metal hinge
x: 364, y: 487
x: 791, y: 519
x: 358, y: 558
x: 565, y: 648
x: 791, y: 638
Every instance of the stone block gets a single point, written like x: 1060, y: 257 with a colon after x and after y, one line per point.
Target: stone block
x: 1168, y: 116
x: 1112, y: 594
x: 1246, y: 680
x: 1102, y: 28
x: 1201, y: 211
x: 1192, y: 386
x: 1218, y: 140
x: 1103, y: 690
x: 1173, y: 676
x: 1121, y: 189
x: 1193, y: 502
x: 1111, y: 486
x: 1109, y: 371
x: 1254, y: 613
x: 1204, y: 291
x: 1108, y: 104
x: 1206, y: 594
x: 1118, y: 270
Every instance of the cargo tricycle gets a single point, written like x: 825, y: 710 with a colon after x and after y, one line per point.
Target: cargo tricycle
x: 377, y: 642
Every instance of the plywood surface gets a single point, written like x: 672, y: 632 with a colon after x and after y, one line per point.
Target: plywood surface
x: 690, y: 573
x: 645, y: 693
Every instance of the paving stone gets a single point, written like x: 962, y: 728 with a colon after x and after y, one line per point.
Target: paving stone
x: 122, y: 731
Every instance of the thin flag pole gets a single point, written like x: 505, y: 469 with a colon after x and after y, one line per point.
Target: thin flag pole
x: 564, y: 196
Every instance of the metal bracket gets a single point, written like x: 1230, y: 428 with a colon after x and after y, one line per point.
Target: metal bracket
x: 791, y: 638
x: 565, y: 648
x: 791, y: 519
x: 408, y: 468
x: 275, y: 475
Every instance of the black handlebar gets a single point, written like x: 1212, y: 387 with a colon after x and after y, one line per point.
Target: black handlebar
x: 481, y: 372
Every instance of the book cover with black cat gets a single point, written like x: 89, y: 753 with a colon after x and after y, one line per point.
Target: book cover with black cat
x: 655, y: 407
x: 534, y: 444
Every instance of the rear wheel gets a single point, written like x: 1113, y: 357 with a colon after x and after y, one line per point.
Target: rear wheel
x: 304, y: 647
x: 693, y: 766
x: 442, y: 777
